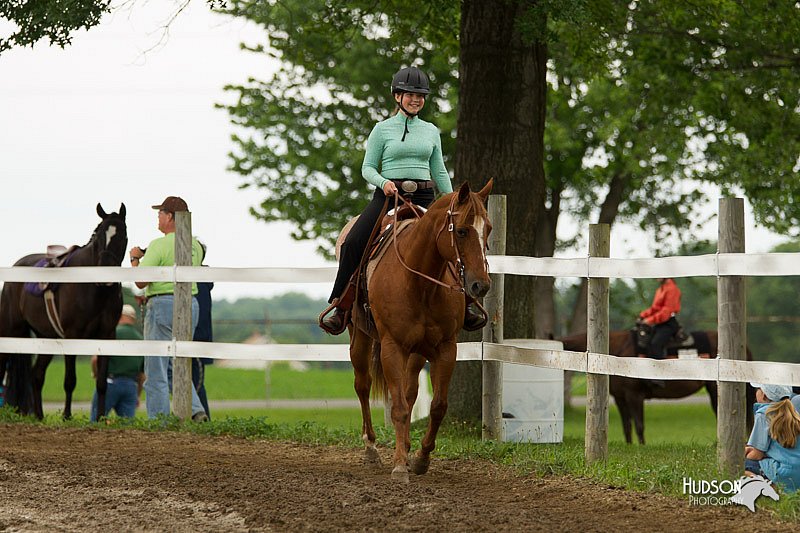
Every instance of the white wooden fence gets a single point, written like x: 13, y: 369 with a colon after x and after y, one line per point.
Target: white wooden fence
x: 718, y: 265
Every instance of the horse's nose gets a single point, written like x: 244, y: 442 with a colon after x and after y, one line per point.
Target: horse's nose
x: 478, y: 289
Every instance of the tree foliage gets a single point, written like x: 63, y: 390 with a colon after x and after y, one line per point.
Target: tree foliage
x: 689, y: 93
x: 55, y: 20
x: 305, y: 128
x: 732, y: 65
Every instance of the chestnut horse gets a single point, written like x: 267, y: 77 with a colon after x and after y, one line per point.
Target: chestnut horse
x: 83, y: 311
x: 417, y: 297
x: 630, y: 393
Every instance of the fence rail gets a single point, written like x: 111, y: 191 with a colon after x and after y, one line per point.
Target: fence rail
x: 690, y: 368
x: 729, y: 369
x: 732, y: 264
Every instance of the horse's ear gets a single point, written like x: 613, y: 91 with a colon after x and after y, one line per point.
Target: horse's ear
x: 463, y: 192
x: 122, y: 210
x: 100, y: 211
x: 484, y: 193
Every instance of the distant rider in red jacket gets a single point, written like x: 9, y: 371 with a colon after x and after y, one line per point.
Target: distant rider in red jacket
x: 661, y: 315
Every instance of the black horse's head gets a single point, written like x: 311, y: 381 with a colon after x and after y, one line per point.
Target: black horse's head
x: 110, y: 238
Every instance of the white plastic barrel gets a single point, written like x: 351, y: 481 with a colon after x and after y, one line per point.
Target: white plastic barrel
x: 533, y: 398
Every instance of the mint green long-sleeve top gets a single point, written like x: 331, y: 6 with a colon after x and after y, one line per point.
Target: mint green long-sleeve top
x: 419, y: 157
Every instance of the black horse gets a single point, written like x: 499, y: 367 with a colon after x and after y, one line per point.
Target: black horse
x: 80, y: 311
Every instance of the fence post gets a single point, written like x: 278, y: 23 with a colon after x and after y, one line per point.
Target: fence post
x: 596, y: 444
x: 492, y: 371
x: 182, y: 319
x: 732, y: 326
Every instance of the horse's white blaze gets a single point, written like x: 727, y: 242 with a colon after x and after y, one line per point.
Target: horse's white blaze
x: 479, y: 225
x: 110, y: 232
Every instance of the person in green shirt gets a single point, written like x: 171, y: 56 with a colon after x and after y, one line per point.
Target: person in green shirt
x: 125, y: 373
x: 159, y: 296
x: 403, y: 153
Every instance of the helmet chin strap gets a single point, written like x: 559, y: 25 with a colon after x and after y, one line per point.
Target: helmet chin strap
x: 408, y: 115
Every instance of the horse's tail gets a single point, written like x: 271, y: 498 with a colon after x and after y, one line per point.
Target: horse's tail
x: 379, y: 389
x: 19, y: 381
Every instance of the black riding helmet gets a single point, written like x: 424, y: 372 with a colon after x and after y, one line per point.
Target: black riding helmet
x: 409, y: 80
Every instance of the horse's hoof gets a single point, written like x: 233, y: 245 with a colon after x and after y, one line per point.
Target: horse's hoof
x: 400, y: 474
x: 371, y: 456
x: 418, y: 465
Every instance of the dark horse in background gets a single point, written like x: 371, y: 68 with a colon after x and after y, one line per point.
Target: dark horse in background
x: 83, y: 310
x: 417, y: 297
x: 630, y: 393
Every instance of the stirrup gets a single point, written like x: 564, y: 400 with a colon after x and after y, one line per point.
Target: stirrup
x: 324, y: 314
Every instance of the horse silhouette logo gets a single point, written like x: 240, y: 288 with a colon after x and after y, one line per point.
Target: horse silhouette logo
x: 750, y: 488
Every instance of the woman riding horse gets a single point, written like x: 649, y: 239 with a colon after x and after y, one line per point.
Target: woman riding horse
x: 402, y: 151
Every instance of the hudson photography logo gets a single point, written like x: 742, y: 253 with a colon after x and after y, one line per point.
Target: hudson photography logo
x: 744, y: 491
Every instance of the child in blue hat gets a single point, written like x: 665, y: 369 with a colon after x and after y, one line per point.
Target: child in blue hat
x: 773, y: 449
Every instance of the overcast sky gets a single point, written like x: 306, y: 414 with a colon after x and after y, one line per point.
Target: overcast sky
x: 107, y: 121
x: 103, y: 121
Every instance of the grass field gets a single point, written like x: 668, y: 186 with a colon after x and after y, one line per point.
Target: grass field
x: 696, y: 422
x: 226, y: 383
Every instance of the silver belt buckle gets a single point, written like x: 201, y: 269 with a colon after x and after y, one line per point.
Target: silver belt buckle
x: 409, y: 186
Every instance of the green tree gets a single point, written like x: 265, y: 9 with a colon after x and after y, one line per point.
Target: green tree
x: 304, y: 129
x: 707, y: 92
x: 31, y: 21
x: 301, y: 148
x: 55, y: 20
x: 630, y: 119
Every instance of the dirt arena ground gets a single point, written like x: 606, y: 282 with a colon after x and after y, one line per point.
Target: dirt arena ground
x: 96, y: 480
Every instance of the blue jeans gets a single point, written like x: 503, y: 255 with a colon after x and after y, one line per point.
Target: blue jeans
x: 121, y: 396
x: 158, y: 327
x: 751, y: 465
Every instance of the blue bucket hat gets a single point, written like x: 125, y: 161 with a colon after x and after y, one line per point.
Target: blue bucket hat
x: 774, y: 392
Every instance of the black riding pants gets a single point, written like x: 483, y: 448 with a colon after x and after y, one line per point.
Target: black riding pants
x: 356, y: 241
x: 662, y: 333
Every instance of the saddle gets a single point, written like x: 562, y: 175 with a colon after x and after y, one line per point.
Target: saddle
x: 681, y: 343
x: 382, y: 236
x: 56, y: 256
x: 357, y: 280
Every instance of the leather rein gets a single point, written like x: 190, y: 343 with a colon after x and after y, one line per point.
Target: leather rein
x: 457, y: 267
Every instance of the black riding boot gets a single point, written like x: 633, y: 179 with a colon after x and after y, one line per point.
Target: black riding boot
x: 474, y: 318
x: 335, y: 322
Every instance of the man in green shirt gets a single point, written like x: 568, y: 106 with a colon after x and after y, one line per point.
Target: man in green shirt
x: 125, y: 374
x: 158, y: 320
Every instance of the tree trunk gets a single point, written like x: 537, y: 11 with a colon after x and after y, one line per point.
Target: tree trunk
x: 501, y: 114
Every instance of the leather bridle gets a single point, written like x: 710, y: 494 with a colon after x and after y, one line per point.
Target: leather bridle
x: 456, y: 267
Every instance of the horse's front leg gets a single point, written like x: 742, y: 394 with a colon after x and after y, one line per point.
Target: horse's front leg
x: 101, y: 385
x: 414, y: 366
x: 39, y: 371
x: 393, y: 360
x: 442, y: 366
x: 70, y: 380
x: 360, y: 356
x: 637, y: 411
x: 625, y: 415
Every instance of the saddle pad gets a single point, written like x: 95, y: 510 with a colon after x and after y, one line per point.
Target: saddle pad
x: 383, y: 245
x: 37, y: 288
x: 698, y: 341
